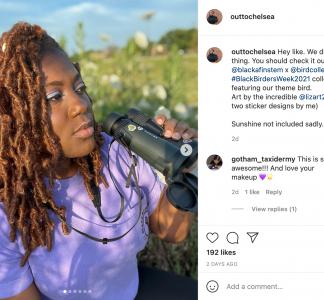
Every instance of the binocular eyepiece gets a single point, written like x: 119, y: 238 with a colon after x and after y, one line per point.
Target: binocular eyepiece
x: 143, y: 136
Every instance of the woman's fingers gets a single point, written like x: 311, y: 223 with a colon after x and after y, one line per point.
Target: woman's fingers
x: 170, y: 127
x: 175, y: 129
x: 190, y: 133
x: 160, y: 119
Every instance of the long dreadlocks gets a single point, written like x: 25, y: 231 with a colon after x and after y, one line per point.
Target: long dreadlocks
x: 29, y: 148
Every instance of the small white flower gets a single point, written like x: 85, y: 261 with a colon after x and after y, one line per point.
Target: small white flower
x: 163, y: 111
x: 90, y: 66
x: 141, y: 40
x: 143, y: 104
x: 181, y: 52
x: 159, y: 48
x: 104, y: 80
x: 160, y: 92
x: 182, y: 110
x: 146, y: 90
x: 115, y: 81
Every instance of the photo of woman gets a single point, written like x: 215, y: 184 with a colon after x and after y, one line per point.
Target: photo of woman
x: 76, y: 208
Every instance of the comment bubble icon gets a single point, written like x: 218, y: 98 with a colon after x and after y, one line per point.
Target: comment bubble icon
x: 232, y: 238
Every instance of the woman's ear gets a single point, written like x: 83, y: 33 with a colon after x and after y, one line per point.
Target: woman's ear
x: 77, y: 66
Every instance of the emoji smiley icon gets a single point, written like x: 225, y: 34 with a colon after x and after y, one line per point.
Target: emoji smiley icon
x: 212, y: 286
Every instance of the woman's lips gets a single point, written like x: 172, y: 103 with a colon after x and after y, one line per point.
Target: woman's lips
x: 84, y: 133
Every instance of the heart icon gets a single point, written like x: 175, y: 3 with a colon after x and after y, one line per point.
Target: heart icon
x: 262, y: 176
x: 212, y: 236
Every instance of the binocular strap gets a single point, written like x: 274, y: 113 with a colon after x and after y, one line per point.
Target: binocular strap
x: 97, y: 203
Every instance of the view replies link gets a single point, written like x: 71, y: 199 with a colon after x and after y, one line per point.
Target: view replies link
x: 253, y: 168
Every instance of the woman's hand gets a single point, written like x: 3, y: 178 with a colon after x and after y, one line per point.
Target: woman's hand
x: 167, y: 222
x: 176, y: 129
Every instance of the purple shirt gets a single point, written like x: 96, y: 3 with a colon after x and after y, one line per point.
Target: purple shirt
x: 77, y: 267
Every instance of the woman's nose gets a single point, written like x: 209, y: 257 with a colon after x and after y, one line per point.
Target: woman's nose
x: 78, y: 104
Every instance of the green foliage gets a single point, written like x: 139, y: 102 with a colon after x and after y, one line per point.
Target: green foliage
x: 172, y: 73
x: 131, y: 49
x: 63, y: 42
x: 180, y: 258
x: 185, y: 39
x: 79, y: 38
x: 129, y: 79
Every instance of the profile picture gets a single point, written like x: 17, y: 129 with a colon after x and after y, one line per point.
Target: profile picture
x: 214, y: 55
x: 214, y: 162
x: 214, y: 17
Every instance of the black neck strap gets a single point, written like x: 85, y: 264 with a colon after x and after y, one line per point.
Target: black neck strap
x: 97, y: 204
x: 97, y: 197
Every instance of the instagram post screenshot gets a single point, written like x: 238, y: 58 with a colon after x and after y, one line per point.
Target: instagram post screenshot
x: 99, y: 150
x: 100, y: 106
x: 261, y: 233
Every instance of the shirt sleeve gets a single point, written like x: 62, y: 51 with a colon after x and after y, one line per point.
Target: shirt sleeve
x: 13, y: 278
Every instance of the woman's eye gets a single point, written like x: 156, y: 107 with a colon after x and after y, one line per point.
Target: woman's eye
x: 81, y: 89
x: 54, y: 96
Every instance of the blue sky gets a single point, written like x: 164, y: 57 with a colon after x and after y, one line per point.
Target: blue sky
x: 119, y: 19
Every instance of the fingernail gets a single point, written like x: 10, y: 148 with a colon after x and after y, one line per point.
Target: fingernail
x: 176, y: 136
x: 167, y: 133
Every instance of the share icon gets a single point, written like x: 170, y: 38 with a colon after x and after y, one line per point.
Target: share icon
x: 252, y: 236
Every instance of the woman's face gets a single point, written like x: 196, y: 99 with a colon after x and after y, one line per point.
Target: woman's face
x: 69, y: 105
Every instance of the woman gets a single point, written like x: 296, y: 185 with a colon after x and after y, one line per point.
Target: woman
x: 51, y: 150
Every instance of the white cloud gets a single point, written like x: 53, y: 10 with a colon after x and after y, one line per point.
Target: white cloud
x: 68, y: 16
x: 82, y: 8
